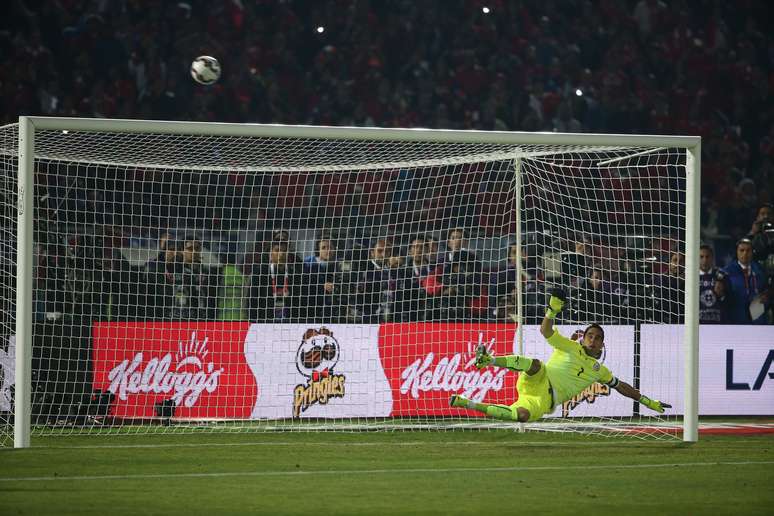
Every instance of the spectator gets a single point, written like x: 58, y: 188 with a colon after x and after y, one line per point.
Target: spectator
x: 395, y: 270
x: 711, y: 288
x: 166, y: 254
x: 502, y: 290
x: 126, y: 288
x: 763, y: 253
x: 283, y: 235
x: 275, y: 295
x: 746, y: 287
x: 206, y: 278
x: 764, y: 214
x: 505, y: 309
x: 373, y: 293
x: 431, y: 247
x: 669, y: 292
x: 574, y: 264
x: 433, y: 282
x: 185, y: 289
x: 164, y: 237
x: 504, y: 283
x: 320, y: 280
x: 455, y: 241
x: 411, y: 297
x: 74, y: 278
x: 232, y: 302
x: 595, y: 302
x: 461, y: 285
x: 763, y: 247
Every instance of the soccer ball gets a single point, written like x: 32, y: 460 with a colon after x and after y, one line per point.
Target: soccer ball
x: 205, y: 70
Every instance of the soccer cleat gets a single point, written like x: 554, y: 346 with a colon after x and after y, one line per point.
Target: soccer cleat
x: 483, y: 358
x: 458, y: 401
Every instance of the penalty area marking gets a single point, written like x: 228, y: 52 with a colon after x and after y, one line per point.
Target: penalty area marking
x: 401, y: 471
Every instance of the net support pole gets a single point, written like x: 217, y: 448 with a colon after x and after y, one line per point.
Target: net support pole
x: 24, y: 272
x: 691, y: 337
x: 519, y: 267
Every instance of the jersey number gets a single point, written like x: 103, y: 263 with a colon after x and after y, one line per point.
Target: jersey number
x: 581, y: 371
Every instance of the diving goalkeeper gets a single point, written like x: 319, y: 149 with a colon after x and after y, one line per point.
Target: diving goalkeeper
x: 571, y: 368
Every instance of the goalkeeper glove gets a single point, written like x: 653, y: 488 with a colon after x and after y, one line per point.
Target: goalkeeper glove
x: 654, y: 404
x: 556, y: 303
x: 483, y: 357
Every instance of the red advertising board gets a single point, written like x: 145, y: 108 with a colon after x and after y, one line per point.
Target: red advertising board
x: 198, y: 367
x: 426, y: 363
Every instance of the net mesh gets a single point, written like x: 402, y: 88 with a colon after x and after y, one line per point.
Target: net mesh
x: 258, y: 283
x: 8, y: 196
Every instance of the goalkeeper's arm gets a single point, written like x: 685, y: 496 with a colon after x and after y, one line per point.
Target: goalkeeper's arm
x: 630, y: 392
x: 556, y: 303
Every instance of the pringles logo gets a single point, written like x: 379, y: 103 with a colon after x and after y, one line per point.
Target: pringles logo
x: 589, y: 395
x: 316, y: 359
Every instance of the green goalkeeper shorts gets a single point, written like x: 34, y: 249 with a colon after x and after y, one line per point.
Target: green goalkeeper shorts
x: 534, y: 394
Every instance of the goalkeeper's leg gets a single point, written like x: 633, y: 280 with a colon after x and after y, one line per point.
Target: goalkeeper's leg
x: 512, y: 362
x: 503, y: 412
x: 518, y: 363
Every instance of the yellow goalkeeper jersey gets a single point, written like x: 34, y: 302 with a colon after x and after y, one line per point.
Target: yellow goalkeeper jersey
x: 570, y: 369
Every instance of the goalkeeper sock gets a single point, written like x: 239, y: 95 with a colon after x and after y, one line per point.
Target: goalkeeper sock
x: 496, y: 411
x: 462, y: 402
x: 501, y: 412
x: 513, y: 362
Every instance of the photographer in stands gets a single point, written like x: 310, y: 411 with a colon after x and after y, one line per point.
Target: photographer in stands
x: 763, y: 216
x: 763, y: 253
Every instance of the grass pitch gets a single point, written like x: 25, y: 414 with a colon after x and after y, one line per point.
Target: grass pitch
x: 489, y: 472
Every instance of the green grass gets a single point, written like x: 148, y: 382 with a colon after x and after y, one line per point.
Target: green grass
x: 490, y: 472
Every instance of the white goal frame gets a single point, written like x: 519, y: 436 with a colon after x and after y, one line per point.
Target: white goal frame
x: 26, y: 158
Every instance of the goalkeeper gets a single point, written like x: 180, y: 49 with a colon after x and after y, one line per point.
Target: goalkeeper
x: 571, y: 368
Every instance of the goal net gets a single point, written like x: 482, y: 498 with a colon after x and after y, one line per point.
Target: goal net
x: 193, y: 277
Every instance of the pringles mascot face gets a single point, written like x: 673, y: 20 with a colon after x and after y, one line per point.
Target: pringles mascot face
x: 318, y: 354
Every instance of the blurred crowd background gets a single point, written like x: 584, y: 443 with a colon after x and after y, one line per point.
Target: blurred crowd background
x: 640, y: 66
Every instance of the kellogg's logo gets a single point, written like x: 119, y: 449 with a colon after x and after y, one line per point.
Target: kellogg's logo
x: 316, y: 359
x: 186, y: 374
x: 453, y: 373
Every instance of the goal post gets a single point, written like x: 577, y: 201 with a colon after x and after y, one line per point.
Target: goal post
x: 692, y: 223
x: 619, y: 197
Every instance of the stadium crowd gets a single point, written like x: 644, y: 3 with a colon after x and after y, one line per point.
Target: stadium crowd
x: 640, y: 66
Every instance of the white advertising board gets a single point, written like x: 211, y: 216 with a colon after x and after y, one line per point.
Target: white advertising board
x: 736, y: 368
x: 308, y: 371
